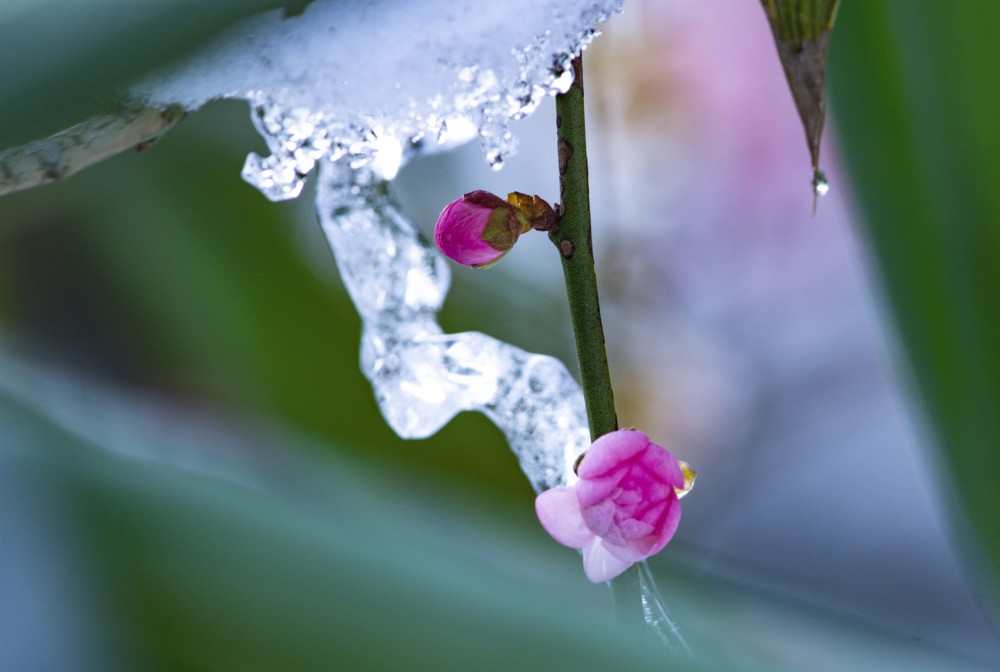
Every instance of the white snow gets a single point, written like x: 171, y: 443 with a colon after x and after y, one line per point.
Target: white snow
x: 384, y: 78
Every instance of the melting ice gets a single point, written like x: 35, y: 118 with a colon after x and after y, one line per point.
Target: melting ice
x: 376, y: 82
x: 358, y: 89
x: 421, y: 376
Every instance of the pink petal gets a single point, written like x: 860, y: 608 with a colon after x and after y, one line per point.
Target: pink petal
x: 599, y: 565
x: 594, y: 489
x: 559, y: 513
x: 458, y: 234
x: 668, y: 527
x: 601, y: 518
x: 653, y: 514
x: 610, y: 451
x: 635, y: 529
x: 632, y: 551
x: 484, y: 199
x: 659, y: 460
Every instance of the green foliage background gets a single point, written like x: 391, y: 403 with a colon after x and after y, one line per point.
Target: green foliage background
x: 915, y: 88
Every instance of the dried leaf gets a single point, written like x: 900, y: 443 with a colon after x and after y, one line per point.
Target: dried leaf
x: 801, y: 31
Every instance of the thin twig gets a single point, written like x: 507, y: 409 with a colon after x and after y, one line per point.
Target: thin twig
x: 67, y: 152
x: 572, y: 237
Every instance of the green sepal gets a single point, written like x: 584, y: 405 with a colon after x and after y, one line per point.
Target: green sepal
x: 502, y: 228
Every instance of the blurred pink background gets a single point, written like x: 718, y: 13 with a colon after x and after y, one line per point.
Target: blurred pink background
x: 745, y: 333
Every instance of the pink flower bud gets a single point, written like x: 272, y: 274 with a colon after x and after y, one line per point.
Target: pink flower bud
x: 477, y: 229
x: 624, y: 508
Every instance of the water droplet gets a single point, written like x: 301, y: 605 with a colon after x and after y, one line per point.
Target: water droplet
x: 820, y: 184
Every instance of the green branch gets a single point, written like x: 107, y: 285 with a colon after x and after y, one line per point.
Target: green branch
x: 572, y: 237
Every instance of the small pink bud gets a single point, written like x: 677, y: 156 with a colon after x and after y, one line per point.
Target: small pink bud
x: 477, y: 229
x: 624, y: 508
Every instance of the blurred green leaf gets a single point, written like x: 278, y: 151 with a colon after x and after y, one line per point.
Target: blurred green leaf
x: 213, y: 564
x: 221, y: 549
x: 916, y: 92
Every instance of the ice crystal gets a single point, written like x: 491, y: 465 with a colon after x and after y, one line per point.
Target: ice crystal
x: 379, y: 81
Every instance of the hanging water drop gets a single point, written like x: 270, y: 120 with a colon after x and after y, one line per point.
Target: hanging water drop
x: 820, y: 184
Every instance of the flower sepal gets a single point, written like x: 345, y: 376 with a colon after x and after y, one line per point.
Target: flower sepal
x: 534, y: 210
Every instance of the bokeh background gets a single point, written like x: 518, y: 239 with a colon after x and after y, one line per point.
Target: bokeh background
x: 194, y: 474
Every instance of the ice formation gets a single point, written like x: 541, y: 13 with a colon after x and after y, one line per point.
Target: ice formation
x: 360, y: 88
x: 376, y: 82
x: 421, y: 376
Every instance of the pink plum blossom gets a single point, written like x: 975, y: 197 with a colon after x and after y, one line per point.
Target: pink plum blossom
x: 624, y: 508
x: 477, y: 229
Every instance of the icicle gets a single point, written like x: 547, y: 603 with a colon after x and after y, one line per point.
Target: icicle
x: 421, y: 376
